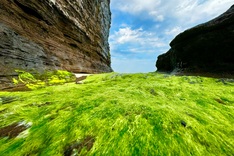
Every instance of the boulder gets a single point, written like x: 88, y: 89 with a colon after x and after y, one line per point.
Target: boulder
x: 206, y: 48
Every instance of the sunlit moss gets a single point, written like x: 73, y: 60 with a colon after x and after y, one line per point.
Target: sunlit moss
x: 126, y: 114
x: 40, y: 80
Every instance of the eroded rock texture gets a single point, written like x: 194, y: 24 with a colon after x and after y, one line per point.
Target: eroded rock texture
x: 54, y: 34
x: 208, y: 47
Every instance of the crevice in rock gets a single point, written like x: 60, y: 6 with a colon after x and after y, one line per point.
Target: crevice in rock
x: 31, y: 11
x: 73, y: 45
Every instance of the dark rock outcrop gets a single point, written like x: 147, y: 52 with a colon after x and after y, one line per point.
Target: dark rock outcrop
x: 208, y: 47
x: 54, y: 34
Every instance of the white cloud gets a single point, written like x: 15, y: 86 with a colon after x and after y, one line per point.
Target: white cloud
x: 135, y: 6
x: 173, y: 31
x: 126, y: 34
x: 186, y: 12
x: 156, y: 16
x: 197, y: 12
x: 129, y: 48
x: 138, y: 39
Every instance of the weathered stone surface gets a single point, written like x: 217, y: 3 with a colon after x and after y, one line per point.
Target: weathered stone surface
x: 54, y: 34
x: 208, y: 47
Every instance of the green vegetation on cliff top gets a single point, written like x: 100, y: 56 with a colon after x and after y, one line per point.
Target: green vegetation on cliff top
x: 121, y: 114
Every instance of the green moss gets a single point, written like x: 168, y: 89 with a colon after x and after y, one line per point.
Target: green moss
x: 126, y: 114
x: 40, y: 80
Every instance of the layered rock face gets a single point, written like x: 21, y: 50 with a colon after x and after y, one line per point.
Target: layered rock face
x: 208, y: 47
x: 54, y: 34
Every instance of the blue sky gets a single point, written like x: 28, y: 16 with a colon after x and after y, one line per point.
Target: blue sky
x: 142, y: 29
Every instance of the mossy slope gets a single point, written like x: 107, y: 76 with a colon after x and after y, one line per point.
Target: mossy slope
x: 123, y: 114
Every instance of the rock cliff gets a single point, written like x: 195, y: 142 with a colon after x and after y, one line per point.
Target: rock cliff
x: 208, y: 47
x: 54, y: 34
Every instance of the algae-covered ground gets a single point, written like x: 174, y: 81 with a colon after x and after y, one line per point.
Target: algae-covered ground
x: 121, y: 114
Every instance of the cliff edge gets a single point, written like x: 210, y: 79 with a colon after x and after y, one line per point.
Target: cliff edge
x: 206, y: 48
x: 54, y: 34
